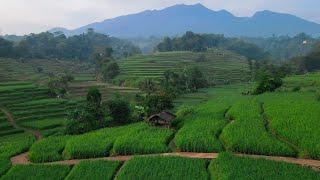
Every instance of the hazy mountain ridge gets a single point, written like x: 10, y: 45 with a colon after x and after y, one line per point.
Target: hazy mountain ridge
x: 178, y: 19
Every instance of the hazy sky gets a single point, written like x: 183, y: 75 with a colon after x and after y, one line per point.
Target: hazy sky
x: 26, y: 16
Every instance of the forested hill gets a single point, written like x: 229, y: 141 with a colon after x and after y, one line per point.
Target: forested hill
x: 202, y: 42
x: 178, y: 19
x: 57, y: 45
x: 283, y: 48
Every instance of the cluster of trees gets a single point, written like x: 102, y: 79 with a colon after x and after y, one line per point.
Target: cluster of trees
x: 201, y: 42
x: 308, y: 63
x: 95, y: 114
x: 105, y: 65
x: 58, y: 84
x: 57, y: 45
x: 283, y: 48
x: 159, y: 96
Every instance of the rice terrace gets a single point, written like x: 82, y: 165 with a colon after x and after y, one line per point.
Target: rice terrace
x: 189, y: 93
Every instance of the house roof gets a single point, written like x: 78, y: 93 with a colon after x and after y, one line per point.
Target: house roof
x: 165, y: 115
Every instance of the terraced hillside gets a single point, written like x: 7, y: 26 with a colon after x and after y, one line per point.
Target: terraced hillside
x: 219, y: 66
x: 37, y: 70
x: 30, y: 106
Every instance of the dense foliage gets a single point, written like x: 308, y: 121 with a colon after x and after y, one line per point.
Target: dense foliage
x: 201, y: 42
x: 308, y: 63
x: 228, y: 167
x: 88, y: 117
x: 283, y: 48
x: 189, y: 80
x: 57, y: 45
x: 159, y: 167
x: 119, y: 109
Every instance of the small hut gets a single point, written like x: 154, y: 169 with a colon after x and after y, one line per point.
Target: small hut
x: 163, y: 119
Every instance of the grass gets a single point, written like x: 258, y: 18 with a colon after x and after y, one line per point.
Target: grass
x: 136, y: 138
x: 247, y: 132
x: 145, y: 141
x: 35, y: 172
x: 94, y: 170
x: 15, y: 144
x: 159, y: 167
x: 5, y: 165
x: 200, y: 130
x: 295, y: 117
x: 227, y: 166
x: 95, y: 144
x: 48, y: 150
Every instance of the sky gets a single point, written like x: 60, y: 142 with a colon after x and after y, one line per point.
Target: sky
x: 34, y: 16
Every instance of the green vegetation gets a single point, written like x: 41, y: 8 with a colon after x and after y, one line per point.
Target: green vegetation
x: 247, y: 133
x: 47, y: 150
x: 159, y: 167
x: 11, y: 145
x: 201, y: 42
x: 34, y: 172
x: 228, y: 167
x: 283, y: 48
x: 201, y: 129
x: 94, y: 170
x: 148, y: 140
x: 294, y: 116
x: 57, y: 45
x: 219, y: 66
x: 5, y: 165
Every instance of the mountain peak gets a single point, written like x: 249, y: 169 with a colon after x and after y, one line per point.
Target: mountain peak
x: 180, y: 18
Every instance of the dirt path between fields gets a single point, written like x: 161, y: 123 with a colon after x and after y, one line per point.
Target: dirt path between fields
x: 11, y: 120
x: 314, y: 164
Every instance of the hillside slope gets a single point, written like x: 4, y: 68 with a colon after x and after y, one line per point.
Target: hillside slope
x: 219, y: 66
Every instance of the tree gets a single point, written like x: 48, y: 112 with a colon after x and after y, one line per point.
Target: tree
x: 110, y: 71
x: 89, y: 117
x: 148, y: 86
x: 119, y: 110
x: 58, y: 84
x: 94, y: 98
x: 267, y: 82
x: 194, y: 79
x: 156, y: 103
x: 6, y: 48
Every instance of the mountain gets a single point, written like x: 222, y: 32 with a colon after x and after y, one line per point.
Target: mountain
x: 178, y: 19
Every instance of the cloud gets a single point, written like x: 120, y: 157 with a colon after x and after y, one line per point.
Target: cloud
x: 21, y: 16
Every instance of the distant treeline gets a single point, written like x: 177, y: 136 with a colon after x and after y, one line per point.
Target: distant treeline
x: 57, y: 45
x: 308, y: 63
x: 201, y: 42
x: 283, y: 48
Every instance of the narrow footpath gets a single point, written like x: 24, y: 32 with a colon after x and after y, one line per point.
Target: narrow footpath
x: 11, y: 120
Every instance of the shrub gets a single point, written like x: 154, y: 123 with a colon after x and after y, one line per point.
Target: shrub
x: 267, y: 83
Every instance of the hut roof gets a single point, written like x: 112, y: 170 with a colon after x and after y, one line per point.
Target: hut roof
x: 165, y: 115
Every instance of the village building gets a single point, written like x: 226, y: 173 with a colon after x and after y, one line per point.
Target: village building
x: 163, y: 119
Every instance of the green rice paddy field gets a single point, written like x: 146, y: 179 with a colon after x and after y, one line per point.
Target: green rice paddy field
x: 219, y: 66
x: 219, y: 119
